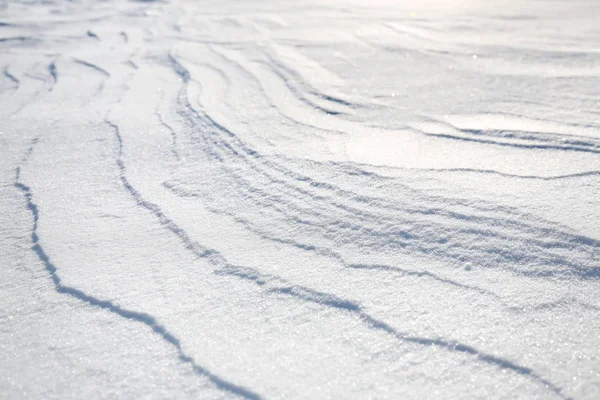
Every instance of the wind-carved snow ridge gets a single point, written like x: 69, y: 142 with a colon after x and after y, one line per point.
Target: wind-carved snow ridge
x: 275, y: 284
x: 15, y: 39
x: 196, y: 248
x: 298, y: 200
x: 590, y: 147
x: 93, y: 66
x: 329, y: 252
x: 517, y: 138
x: 461, y: 233
x: 11, y: 77
x: 373, y: 267
x: 140, y: 317
x: 92, y: 35
x: 179, y: 69
x: 530, y: 177
x: 53, y: 74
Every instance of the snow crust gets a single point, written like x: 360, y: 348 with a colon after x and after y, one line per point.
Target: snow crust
x: 268, y: 200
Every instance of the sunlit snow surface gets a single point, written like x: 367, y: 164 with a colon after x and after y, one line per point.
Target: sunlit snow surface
x: 268, y: 200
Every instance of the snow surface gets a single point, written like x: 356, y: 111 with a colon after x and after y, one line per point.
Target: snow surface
x: 334, y: 199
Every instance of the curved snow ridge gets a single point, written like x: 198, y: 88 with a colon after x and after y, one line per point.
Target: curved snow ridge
x: 325, y: 251
x: 296, y: 84
x: 578, y: 147
x: 280, y: 93
x: 140, y: 317
x: 174, y: 150
x: 460, y: 234
x: 54, y: 74
x: 390, y: 269
x: 398, y: 187
x: 511, y: 136
x: 278, y: 285
x: 11, y: 77
x: 391, y: 173
x: 93, y: 66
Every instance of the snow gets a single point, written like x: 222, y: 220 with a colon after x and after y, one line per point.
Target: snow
x: 298, y: 200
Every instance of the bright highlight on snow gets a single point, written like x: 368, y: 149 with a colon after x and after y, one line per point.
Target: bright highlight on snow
x: 300, y: 200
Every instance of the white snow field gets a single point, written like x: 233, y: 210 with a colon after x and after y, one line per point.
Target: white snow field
x: 300, y: 199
